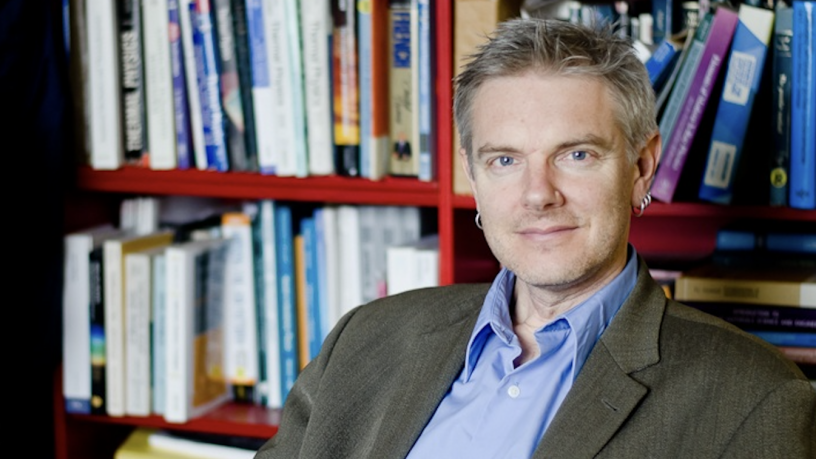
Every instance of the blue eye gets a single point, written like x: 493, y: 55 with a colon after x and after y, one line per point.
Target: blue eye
x: 579, y: 155
x: 506, y: 160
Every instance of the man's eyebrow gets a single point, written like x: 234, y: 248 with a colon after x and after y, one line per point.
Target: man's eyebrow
x: 491, y: 148
x: 588, y: 139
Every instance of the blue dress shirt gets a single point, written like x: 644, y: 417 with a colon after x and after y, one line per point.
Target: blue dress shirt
x: 494, y: 410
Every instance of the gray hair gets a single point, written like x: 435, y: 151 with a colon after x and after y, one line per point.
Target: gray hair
x: 558, y: 47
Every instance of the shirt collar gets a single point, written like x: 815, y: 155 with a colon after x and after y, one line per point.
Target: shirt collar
x: 587, y: 320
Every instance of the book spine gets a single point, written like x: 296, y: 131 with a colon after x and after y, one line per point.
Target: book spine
x: 262, y: 96
x: 301, y: 303
x: 294, y: 67
x: 76, y: 346
x: 106, y: 143
x: 742, y: 79
x: 665, y: 14
x: 181, y: 107
x: 322, y: 275
x: 760, y: 316
x: 204, y: 41
x: 244, y: 63
x: 349, y: 250
x: 425, y: 85
x: 158, y: 334
x: 345, y: 89
x: 229, y: 84
x: 186, y: 23
x: 661, y: 60
x: 778, y: 293
x: 316, y: 33
x: 114, y: 329
x: 313, y: 303
x: 695, y: 103
x: 805, y: 355
x: 96, y: 268
x: 161, y: 131
x: 803, y: 105
x: 137, y: 335
x: 179, y: 335
x: 269, y: 304
x: 781, y: 96
x: 402, y: 89
x: 366, y: 68
x: 286, y: 298
x: 786, y: 338
x: 133, y: 103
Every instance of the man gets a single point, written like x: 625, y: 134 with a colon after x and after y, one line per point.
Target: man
x: 573, y: 351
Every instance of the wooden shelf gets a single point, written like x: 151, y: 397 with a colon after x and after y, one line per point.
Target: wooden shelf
x: 243, y: 185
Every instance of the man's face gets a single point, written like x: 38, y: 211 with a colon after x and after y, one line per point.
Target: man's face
x: 551, y: 179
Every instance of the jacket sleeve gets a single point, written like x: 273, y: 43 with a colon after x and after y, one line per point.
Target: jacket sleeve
x: 287, y: 443
x: 783, y: 424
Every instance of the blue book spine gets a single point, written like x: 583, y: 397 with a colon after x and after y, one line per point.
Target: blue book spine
x: 312, y: 288
x: 744, y: 240
x: 803, y: 108
x: 660, y: 63
x: 286, y: 298
x: 745, y: 66
x: 322, y: 272
x: 426, y: 147
x: 262, y: 396
x: 366, y: 98
x: 781, y: 101
x: 261, y: 84
x: 182, y: 108
x: 208, y: 84
x: 665, y: 14
x: 786, y: 338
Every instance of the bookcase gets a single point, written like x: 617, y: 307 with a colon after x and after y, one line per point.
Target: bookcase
x: 674, y: 233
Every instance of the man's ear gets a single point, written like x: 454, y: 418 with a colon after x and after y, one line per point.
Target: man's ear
x: 646, y: 166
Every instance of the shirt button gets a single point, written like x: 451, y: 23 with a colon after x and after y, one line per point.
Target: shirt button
x: 513, y: 391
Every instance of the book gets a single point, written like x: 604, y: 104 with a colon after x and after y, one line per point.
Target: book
x: 244, y: 60
x: 349, y: 253
x: 781, y: 103
x: 371, y: 247
x: 132, y: 80
x: 138, y: 297
x: 160, y: 112
x: 240, y: 313
x: 230, y: 91
x: 147, y: 442
x: 269, y: 368
x: 758, y: 237
x: 326, y: 226
x: 115, y: 250
x: 186, y: 12
x: 316, y: 30
x: 771, y: 285
x: 181, y: 106
x: 413, y: 265
x: 786, y: 338
x: 760, y: 316
x: 746, y: 63
x: 805, y: 355
x: 301, y: 303
x: 345, y: 89
x: 287, y: 307
x: 662, y: 61
x: 212, y: 112
x: 803, y: 107
x: 373, y: 62
x: 262, y: 96
x: 158, y: 333
x: 76, y: 331
x: 694, y: 105
x: 282, y: 25
x: 403, y: 25
x: 473, y: 20
x: 667, y: 21
x: 195, y: 329
x: 106, y: 137
x: 314, y: 307
x: 671, y: 96
x: 96, y: 268
x: 425, y: 89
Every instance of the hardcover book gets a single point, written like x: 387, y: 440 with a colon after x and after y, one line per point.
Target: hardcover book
x: 181, y: 106
x: 287, y: 321
x: 746, y: 64
x: 186, y: 13
x: 803, y: 107
x: 760, y: 316
x: 132, y: 80
x: 244, y: 60
x: 158, y: 73
x: 345, y: 89
x: 403, y: 26
x: 781, y: 102
x: 425, y: 100
x: 694, y: 106
x: 316, y: 29
x: 262, y: 90
x: 374, y: 107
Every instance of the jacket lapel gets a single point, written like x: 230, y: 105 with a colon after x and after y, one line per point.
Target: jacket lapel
x: 604, y: 395
x: 439, y: 354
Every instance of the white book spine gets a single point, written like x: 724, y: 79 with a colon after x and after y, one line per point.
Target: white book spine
x: 106, y: 146
x: 193, y: 93
x: 241, y: 343
x: 114, y: 329
x: 401, y: 266
x: 283, y: 124
x: 137, y: 335
x: 330, y: 235
x: 270, y: 305
x: 262, y: 91
x: 76, y: 332
x: 160, y: 111
x: 425, y: 90
x: 348, y: 223
x: 295, y: 75
x: 179, y: 352
x: 159, y: 335
x: 316, y: 30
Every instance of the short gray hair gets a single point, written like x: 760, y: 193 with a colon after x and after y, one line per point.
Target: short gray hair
x: 557, y: 47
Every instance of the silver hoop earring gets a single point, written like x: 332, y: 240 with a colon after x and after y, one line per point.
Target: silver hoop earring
x: 478, y: 220
x: 647, y: 200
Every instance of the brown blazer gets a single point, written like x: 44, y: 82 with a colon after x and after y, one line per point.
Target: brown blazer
x: 664, y: 381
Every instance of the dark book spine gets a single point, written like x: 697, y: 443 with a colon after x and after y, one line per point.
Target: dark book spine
x: 97, y: 318
x: 132, y: 79
x: 184, y: 141
x: 781, y: 95
x: 345, y: 89
x: 241, y: 31
x: 760, y: 317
